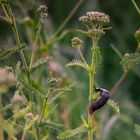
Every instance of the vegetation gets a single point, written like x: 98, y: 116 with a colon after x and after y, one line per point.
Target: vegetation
x: 43, y: 95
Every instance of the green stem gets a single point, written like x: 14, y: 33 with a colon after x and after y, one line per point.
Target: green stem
x: 118, y: 82
x: 35, y: 43
x: 81, y: 55
x: 42, y: 113
x: 10, y: 16
x: 44, y: 105
x: 90, y: 117
x: 136, y: 6
x: 91, y: 85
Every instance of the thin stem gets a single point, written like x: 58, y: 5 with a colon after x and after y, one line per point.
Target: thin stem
x: 91, y: 85
x: 23, y: 135
x: 90, y: 117
x: 35, y: 44
x: 44, y: 105
x: 118, y: 82
x: 10, y: 16
x: 6, y: 14
x: 136, y: 6
x: 81, y: 55
x: 11, y: 19
x: 68, y: 17
x: 42, y: 113
x: 4, y: 19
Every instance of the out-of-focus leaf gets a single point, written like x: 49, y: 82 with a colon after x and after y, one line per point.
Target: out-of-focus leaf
x: 27, y: 86
x: 131, y: 59
x: 137, y: 129
x: 78, y: 63
x: 114, y: 106
x: 116, y: 51
x: 60, y: 93
x: 52, y: 126
x: 7, y: 53
x: 22, y: 112
x: 8, y: 127
x: 39, y: 62
x: 71, y: 134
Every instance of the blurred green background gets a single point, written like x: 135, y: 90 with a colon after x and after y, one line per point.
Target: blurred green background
x: 124, y: 22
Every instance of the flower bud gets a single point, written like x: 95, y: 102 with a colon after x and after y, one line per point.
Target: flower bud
x: 52, y: 82
x: 96, y: 33
x: 43, y: 10
x: 76, y: 42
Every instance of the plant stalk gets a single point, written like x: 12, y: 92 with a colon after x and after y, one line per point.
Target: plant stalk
x: 91, y: 85
x: 10, y: 17
x: 90, y: 117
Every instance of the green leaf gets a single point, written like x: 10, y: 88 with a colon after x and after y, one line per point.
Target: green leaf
x: 70, y: 134
x: 8, y: 127
x: 39, y: 63
x: 7, y: 53
x: 137, y: 129
x: 84, y: 122
x: 52, y: 126
x: 114, y: 106
x: 22, y: 112
x: 78, y: 63
x: 60, y: 93
x: 131, y: 59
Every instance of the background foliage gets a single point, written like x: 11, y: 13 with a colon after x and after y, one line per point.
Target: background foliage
x: 124, y: 22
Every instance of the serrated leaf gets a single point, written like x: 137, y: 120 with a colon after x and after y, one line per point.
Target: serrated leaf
x: 7, y: 53
x: 39, y: 63
x: 78, y: 63
x: 137, y: 129
x: 70, y: 134
x: 60, y: 93
x: 131, y: 59
x: 37, y: 91
x: 52, y: 126
x: 114, y: 106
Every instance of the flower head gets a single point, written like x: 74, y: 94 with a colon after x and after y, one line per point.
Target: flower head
x: 97, y: 17
x: 96, y: 32
x: 53, y: 82
x: 95, y: 21
x: 43, y: 10
x: 76, y: 42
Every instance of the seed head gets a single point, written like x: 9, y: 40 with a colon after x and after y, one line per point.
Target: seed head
x: 52, y: 82
x: 95, y: 21
x: 83, y: 19
x: 43, y: 10
x: 96, y: 32
x: 76, y: 42
x: 97, y: 17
